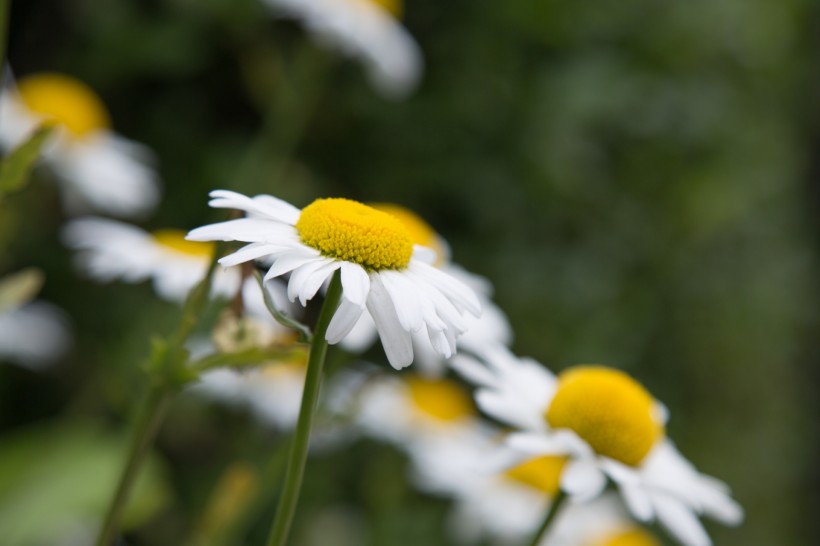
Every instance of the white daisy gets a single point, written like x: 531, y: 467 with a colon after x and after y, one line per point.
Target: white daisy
x: 492, y: 327
x: 365, y: 29
x: 99, y: 169
x: 110, y: 250
x: 373, y: 251
x: 33, y: 335
x: 610, y: 427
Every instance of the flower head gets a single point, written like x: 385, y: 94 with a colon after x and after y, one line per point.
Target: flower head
x: 364, y: 29
x: 98, y: 168
x: 374, y: 253
x: 609, y: 427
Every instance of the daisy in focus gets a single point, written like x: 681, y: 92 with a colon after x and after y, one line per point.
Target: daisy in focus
x: 99, y: 169
x: 380, y: 270
x: 609, y: 427
x: 492, y: 327
x: 365, y: 29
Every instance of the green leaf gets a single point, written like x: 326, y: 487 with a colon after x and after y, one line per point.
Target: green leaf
x: 20, y: 287
x: 15, y: 168
x: 56, y: 481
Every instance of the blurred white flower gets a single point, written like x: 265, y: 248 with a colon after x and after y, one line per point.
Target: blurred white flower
x: 608, y: 426
x: 111, y: 250
x: 33, y: 335
x: 364, y: 29
x: 380, y: 269
x: 99, y: 169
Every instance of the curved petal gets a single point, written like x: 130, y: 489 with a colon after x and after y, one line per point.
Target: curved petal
x: 396, y: 341
x: 583, y: 480
x: 343, y: 321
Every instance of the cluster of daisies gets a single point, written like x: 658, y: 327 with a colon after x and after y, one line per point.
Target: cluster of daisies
x: 500, y: 435
x: 101, y: 172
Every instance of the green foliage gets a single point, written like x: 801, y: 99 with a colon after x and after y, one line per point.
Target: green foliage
x: 15, y: 168
x: 57, y: 478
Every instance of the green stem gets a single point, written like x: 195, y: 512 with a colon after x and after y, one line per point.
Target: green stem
x: 152, y: 415
x: 299, y: 447
x: 551, y: 513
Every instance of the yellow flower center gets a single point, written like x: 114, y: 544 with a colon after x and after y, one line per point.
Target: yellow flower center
x: 66, y: 101
x: 608, y: 409
x: 633, y: 537
x: 353, y: 232
x: 393, y: 7
x: 440, y: 399
x: 175, y: 240
x: 420, y: 231
x: 541, y: 473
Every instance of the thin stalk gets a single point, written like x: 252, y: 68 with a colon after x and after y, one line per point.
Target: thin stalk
x: 150, y: 419
x: 301, y: 436
x: 551, y: 513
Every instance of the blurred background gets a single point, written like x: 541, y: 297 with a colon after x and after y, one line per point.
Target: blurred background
x: 638, y: 179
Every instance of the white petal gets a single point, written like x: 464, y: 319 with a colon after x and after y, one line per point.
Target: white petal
x: 535, y: 444
x: 355, y: 283
x: 397, y: 343
x: 405, y: 299
x: 290, y: 260
x: 343, y: 321
x: 453, y: 289
x: 638, y: 502
x: 583, y: 480
x: 247, y: 253
x: 302, y: 281
x: 472, y: 370
x: 247, y: 230
x: 680, y: 521
x: 316, y: 280
x: 265, y: 205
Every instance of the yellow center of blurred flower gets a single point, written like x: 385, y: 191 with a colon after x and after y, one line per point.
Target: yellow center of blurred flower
x: 420, y: 231
x: 66, y: 101
x: 175, y: 240
x: 633, y: 537
x: 293, y: 366
x: 608, y: 409
x: 541, y: 473
x: 394, y: 7
x: 353, y: 232
x: 440, y: 399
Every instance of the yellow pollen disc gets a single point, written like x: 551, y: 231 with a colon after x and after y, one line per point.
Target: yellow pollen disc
x: 394, y: 7
x: 353, y: 232
x: 175, y: 240
x: 607, y: 408
x: 541, y: 473
x: 440, y: 399
x: 420, y: 231
x: 633, y: 537
x: 65, y: 101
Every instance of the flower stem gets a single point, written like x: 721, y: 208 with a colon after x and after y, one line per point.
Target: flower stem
x: 149, y: 421
x: 299, y: 447
x: 551, y: 513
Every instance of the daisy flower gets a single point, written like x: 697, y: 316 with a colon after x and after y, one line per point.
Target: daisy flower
x: 374, y: 253
x: 492, y: 327
x: 608, y: 426
x: 364, y: 29
x: 33, y: 335
x: 98, y: 168
x: 109, y: 250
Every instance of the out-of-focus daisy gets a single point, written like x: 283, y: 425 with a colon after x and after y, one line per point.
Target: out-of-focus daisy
x: 99, y: 169
x: 608, y: 426
x: 492, y: 327
x: 33, y: 335
x: 373, y: 251
x: 110, y: 250
x: 365, y: 29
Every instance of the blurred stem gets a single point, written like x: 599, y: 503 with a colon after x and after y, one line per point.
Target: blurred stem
x: 301, y: 436
x: 167, y: 369
x: 150, y: 419
x: 285, y: 117
x: 551, y: 513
